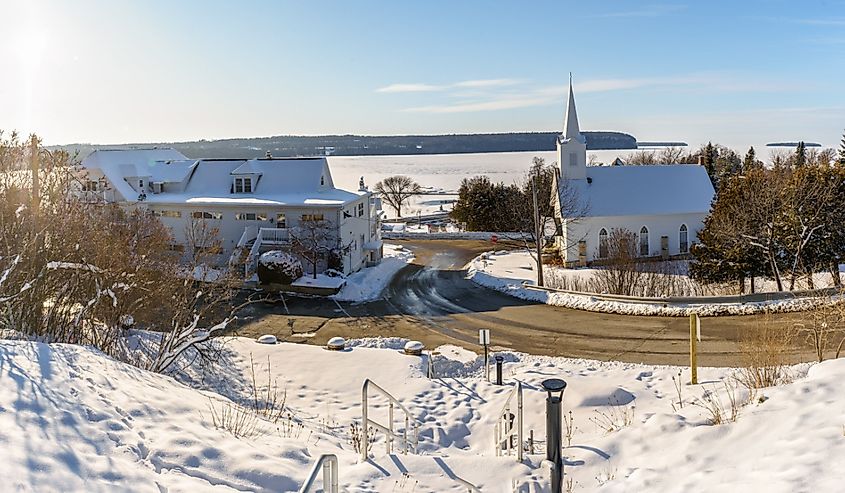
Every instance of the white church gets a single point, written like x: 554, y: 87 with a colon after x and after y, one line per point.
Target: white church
x: 663, y: 205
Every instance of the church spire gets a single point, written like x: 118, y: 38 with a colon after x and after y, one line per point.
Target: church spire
x: 570, y: 122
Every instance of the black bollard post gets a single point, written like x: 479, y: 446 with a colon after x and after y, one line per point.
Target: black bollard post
x: 553, y: 430
x: 499, y: 361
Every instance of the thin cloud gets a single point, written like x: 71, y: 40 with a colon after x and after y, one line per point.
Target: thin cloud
x: 476, y: 84
x: 465, y: 84
x: 646, y: 11
x: 834, y: 22
x: 399, y: 88
x: 507, y: 103
x: 552, y: 94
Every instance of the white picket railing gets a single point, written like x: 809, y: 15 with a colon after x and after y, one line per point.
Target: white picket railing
x: 411, y: 424
x: 274, y: 236
x: 328, y: 464
x: 505, y: 429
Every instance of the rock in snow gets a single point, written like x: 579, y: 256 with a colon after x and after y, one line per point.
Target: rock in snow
x: 267, y: 339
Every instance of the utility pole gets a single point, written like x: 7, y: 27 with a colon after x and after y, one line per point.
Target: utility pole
x: 538, y: 235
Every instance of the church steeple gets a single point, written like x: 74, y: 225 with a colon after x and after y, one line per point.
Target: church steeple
x: 571, y: 145
x: 570, y: 121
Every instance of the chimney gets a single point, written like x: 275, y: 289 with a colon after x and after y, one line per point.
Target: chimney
x: 701, y: 160
x: 267, y: 155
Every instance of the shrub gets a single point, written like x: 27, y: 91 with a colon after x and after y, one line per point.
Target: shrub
x: 278, y: 267
x: 765, y: 351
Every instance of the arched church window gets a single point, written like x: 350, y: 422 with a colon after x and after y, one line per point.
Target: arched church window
x: 644, y: 242
x: 683, y: 239
x: 603, y: 243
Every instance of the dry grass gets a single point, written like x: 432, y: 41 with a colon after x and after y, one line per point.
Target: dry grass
x: 614, y: 417
x: 240, y: 421
x: 267, y: 401
x: 721, y: 410
x: 765, y: 351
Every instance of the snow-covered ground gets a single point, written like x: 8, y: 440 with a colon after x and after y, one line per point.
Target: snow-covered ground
x: 72, y: 419
x: 506, y: 271
x: 368, y: 283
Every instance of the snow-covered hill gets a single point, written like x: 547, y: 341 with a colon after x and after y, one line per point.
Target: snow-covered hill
x: 72, y: 419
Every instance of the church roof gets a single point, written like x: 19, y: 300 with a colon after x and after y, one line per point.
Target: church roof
x: 642, y: 190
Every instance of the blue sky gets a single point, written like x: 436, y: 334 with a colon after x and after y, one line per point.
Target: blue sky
x: 736, y: 72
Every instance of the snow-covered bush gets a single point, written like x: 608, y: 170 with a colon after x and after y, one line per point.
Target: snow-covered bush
x: 278, y: 267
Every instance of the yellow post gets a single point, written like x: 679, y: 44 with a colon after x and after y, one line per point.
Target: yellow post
x: 693, y: 355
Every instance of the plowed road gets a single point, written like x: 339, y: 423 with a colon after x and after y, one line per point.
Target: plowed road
x: 431, y: 301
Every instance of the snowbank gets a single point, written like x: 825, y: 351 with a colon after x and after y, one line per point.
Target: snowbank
x: 72, y: 419
x: 368, y: 283
x: 507, y: 271
x: 322, y: 281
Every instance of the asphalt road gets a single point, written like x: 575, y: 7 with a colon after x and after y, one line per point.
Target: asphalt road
x: 430, y: 300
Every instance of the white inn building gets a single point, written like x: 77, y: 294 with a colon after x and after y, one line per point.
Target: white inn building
x: 663, y: 205
x: 253, y: 204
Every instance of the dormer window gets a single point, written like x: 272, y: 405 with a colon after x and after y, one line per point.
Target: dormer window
x: 243, y: 185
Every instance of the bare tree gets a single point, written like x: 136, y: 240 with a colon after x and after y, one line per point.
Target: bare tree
x: 313, y: 240
x: 396, y: 190
x: 85, y: 272
x: 671, y: 155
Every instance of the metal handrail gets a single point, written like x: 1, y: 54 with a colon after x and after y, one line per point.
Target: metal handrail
x: 410, y: 422
x: 505, y: 428
x: 328, y: 464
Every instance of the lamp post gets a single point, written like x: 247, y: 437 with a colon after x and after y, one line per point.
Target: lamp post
x: 554, y: 388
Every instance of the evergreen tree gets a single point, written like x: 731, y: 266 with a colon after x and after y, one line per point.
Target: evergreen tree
x: 487, y: 206
x: 709, y: 155
x: 842, y: 151
x: 750, y: 162
x: 800, y: 155
x: 724, y: 253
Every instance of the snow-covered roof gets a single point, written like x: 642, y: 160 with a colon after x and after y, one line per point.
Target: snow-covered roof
x: 643, y: 190
x: 279, y: 181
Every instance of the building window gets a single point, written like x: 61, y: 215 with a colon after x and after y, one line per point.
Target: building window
x: 140, y: 183
x: 360, y: 209
x: 312, y: 217
x: 206, y: 215
x: 250, y: 216
x: 281, y: 221
x: 322, y: 180
x: 573, y: 159
x: 644, y: 242
x: 172, y: 214
x: 603, y: 243
x: 90, y: 186
x: 683, y: 239
x: 243, y: 185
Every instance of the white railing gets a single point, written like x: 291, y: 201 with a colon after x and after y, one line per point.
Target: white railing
x: 265, y: 236
x: 273, y: 235
x: 252, y: 258
x: 328, y: 464
x: 408, y: 443
x: 505, y: 429
x: 250, y: 233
